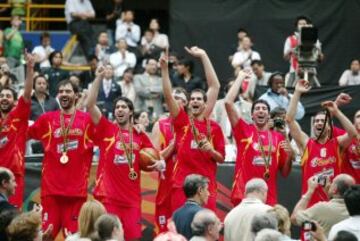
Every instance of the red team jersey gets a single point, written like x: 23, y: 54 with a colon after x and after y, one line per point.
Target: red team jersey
x: 116, y: 183
x: 68, y: 179
x: 323, y: 160
x: 351, y: 164
x: 13, y: 137
x: 189, y: 158
x: 250, y: 162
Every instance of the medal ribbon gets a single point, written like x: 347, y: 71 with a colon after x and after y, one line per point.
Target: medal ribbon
x: 196, y: 132
x: 128, y: 154
x: 65, y: 129
x: 262, y: 150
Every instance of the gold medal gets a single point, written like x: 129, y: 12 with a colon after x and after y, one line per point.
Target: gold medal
x: 64, y: 158
x: 266, y: 174
x: 132, y: 174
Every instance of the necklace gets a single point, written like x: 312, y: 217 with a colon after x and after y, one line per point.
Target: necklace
x: 265, y: 157
x: 128, y: 153
x: 65, y: 132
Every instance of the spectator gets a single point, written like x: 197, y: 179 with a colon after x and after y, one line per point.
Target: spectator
x: 87, y: 77
x: 142, y: 118
x: 148, y: 48
x: 122, y: 59
x: 113, y: 12
x: 108, y: 227
x: 261, y: 221
x: 41, y: 101
x: 14, y: 43
x: 259, y: 77
x: 108, y: 91
x: 345, y: 236
x: 185, y: 78
x: 277, y: 95
x: 351, y: 224
x: 351, y: 76
x: 5, y: 219
x: 326, y: 213
x: 89, y: 213
x: 127, y: 85
x: 245, y: 55
x: 160, y: 40
x: 128, y: 30
x: 237, y: 221
x: 197, y: 194
x: 75, y: 79
x: 77, y: 14
x: 7, y: 188
x: 25, y: 227
x: 55, y: 74
x: 283, y: 218
x: 267, y: 234
x: 104, y: 48
x: 206, y: 226
x: 241, y: 33
x: 7, y: 79
x: 148, y: 87
x: 43, y: 51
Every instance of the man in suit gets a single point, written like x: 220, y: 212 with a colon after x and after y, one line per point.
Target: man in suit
x: 108, y: 91
x: 7, y: 188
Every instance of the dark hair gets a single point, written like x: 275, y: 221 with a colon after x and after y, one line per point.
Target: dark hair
x: 187, y: 63
x: 4, y: 175
x: 272, y: 77
x: 192, y: 184
x: 6, y: 217
x: 199, y: 91
x: 242, y: 30
x: 128, y: 102
x: 181, y: 90
x: 258, y: 62
x: 40, y: 76
x: 129, y: 70
x: 302, y: 17
x: 260, y: 101
x: 44, y: 35
x: 328, y: 119
x: 342, y: 185
x: 355, y: 59
x: 345, y: 236
x: 147, y: 60
x: 104, y: 227
x: 137, y: 115
x: 149, y: 30
x: 68, y: 82
x: 92, y: 57
x: 352, y: 200
x: 13, y: 92
x: 52, y: 55
x: 277, y: 111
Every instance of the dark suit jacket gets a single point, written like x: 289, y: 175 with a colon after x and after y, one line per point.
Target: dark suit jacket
x: 106, y: 103
x: 183, y: 217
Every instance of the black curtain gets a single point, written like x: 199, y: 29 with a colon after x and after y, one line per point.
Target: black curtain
x: 212, y: 25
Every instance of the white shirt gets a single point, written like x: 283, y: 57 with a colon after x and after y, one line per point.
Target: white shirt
x: 237, y: 222
x: 120, y: 64
x: 76, y: 6
x: 43, y: 54
x: 244, y: 58
x: 351, y: 225
x: 161, y: 40
x: 132, y: 37
x: 106, y: 86
x: 348, y: 78
x: 128, y: 90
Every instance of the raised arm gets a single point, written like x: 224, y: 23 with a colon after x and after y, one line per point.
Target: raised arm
x: 28, y: 85
x: 167, y: 88
x: 92, y: 108
x: 300, y: 137
x: 211, y: 78
x: 344, y: 140
x: 230, y: 97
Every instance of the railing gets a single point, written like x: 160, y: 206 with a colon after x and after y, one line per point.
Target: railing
x: 30, y: 18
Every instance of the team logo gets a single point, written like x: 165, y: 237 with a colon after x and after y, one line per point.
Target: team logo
x: 323, y: 152
x: 322, y: 162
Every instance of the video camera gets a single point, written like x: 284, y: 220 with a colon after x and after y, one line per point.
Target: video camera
x: 308, y: 53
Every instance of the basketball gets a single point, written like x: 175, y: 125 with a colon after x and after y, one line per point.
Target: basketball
x: 148, y: 156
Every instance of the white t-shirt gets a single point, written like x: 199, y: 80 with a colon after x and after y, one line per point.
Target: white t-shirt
x: 244, y: 58
x: 351, y: 225
x: 43, y: 54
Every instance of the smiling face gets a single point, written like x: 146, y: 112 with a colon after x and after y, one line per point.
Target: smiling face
x: 122, y: 112
x: 66, y: 96
x: 318, y: 125
x: 7, y: 101
x: 260, y: 114
x: 197, y: 103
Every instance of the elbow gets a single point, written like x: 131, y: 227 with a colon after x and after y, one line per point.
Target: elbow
x: 293, y: 218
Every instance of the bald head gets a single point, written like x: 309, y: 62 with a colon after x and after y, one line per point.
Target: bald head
x: 202, y: 220
x: 256, y: 188
x: 342, y: 182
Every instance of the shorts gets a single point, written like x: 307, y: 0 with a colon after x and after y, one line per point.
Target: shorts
x: 18, y: 198
x: 130, y: 218
x: 62, y: 212
x: 162, y: 214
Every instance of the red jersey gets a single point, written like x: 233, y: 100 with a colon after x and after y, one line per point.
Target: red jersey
x: 351, y: 164
x: 322, y: 160
x: 68, y: 179
x: 189, y: 158
x: 166, y: 135
x: 250, y: 161
x: 117, y: 185
x: 13, y: 137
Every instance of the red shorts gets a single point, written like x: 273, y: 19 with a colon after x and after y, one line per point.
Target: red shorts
x: 62, y: 212
x: 130, y: 218
x: 18, y: 198
x: 163, y: 213
x: 178, y: 199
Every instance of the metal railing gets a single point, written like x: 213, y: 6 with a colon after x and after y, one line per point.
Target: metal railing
x: 31, y: 18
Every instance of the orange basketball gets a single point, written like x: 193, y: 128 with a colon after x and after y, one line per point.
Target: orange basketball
x: 148, y: 156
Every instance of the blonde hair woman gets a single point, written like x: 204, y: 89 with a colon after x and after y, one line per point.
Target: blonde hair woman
x: 284, y: 224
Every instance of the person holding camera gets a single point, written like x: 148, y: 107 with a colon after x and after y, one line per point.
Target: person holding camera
x: 321, y: 154
x: 326, y: 213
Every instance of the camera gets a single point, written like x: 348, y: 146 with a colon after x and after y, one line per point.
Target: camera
x: 309, y: 226
x: 321, y: 180
x: 279, y: 123
x: 307, y: 52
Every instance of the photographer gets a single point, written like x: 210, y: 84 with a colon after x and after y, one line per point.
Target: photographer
x: 326, y: 213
